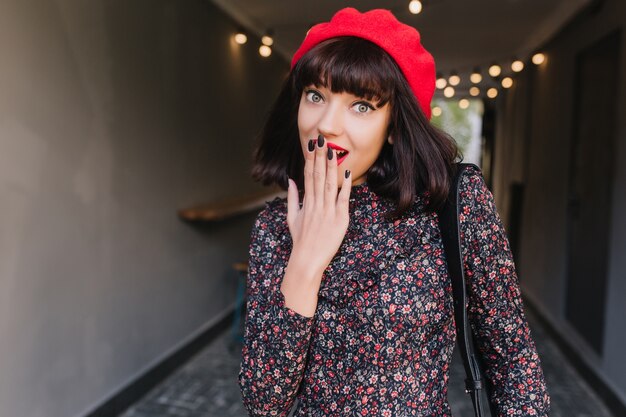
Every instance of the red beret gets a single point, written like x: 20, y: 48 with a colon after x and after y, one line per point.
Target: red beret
x: 400, y: 41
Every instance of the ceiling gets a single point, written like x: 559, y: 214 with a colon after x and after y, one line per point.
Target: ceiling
x: 460, y: 34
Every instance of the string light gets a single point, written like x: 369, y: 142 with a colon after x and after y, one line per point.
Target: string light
x: 538, y: 58
x: 415, y: 6
x: 517, y: 65
x: 495, y: 70
x: 492, y: 92
x: 240, y: 37
x: 464, y: 103
x: 436, y: 111
x: 454, y: 79
x: 265, y: 51
x: 441, y: 82
x: 267, y: 39
x: 476, y: 77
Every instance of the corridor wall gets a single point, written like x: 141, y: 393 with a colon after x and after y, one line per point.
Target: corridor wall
x: 538, y: 145
x: 113, y: 115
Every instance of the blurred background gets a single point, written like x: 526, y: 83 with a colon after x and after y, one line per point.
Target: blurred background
x: 126, y: 203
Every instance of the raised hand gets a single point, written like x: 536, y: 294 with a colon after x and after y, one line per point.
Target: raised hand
x: 318, y: 227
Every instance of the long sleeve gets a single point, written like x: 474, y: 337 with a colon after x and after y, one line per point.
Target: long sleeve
x: 276, y: 338
x: 495, y: 308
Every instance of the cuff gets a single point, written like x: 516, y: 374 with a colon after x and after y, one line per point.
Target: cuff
x: 290, y: 327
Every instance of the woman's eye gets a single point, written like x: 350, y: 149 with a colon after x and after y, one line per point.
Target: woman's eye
x: 363, y: 107
x: 313, y: 96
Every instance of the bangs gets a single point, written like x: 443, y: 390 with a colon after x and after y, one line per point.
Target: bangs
x: 351, y: 65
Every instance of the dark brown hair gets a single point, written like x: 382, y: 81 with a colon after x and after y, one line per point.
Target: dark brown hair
x: 422, y: 157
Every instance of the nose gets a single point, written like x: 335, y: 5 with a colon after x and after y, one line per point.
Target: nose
x: 331, y: 122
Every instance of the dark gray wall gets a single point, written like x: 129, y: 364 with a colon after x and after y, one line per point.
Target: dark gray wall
x: 113, y: 115
x: 535, y: 134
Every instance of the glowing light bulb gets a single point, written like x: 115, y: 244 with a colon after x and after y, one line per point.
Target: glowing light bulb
x: 415, y: 6
x: 265, y: 51
x: 268, y: 38
x: 538, y: 58
x: 495, y: 70
x: 441, y: 83
x: 464, y: 103
x: 454, y: 79
x: 507, y: 82
x: 241, y: 38
x: 517, y: 65
x: 476, y: 77
x: 474, y: 91
x: 448, y: 92
x: 492, y: 92
x: 436, y: 111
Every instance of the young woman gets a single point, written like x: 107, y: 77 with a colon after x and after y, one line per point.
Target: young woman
x: 350, y: 306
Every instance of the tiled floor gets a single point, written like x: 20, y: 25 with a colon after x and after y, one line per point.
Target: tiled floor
x: 207, y: 385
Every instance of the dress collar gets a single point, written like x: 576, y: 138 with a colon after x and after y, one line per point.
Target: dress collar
x: 362, y: 193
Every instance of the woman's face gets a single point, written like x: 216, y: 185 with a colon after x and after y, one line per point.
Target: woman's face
x: 347, y: 121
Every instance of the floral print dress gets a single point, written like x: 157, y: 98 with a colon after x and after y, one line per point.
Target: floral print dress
x: 381, y: 340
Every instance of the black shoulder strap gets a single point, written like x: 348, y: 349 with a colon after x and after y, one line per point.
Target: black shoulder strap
x: 451, y: 236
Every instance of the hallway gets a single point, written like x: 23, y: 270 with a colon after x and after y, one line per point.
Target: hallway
x: 207, y: 385
x: 127, y: 135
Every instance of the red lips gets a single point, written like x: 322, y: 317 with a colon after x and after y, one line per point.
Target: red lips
x: 341, y: 152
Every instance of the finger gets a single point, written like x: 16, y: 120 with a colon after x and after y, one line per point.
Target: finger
x: 309, y: 160
x: 293, y: 201
x: 330, y: 192
x: 343, y: 199
x: 319, y: 171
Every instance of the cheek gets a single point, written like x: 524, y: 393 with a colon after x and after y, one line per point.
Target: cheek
x: 307, y: 125
x: 306, y: 120
x: 369, y: 134
x: 302, y: 126
x: 369, y: 138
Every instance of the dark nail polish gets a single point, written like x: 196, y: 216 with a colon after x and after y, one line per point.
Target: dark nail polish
x: 347, y: 173
x: 330, y: 153
x: 311, y: 145
x: 320, y: 140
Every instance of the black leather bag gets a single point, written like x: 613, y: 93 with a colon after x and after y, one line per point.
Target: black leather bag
x: 476, y: 386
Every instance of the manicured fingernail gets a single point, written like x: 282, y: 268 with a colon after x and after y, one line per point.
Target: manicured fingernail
x: 320, y: 140
x: 330, y: 153
x: 347, y: 173
x: 311, y: 145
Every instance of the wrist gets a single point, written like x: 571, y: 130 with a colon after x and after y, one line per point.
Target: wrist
x: 302, y: 266
x: 300, y: 286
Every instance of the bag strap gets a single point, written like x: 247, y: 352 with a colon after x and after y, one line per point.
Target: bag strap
x: 449, y: 225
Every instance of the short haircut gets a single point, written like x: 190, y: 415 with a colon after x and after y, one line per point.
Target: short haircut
x: 421, y: 159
